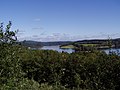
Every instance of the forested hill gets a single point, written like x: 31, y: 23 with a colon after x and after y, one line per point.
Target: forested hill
x: 99, y: 41
x: 36, y: 44
x: 55, y: 43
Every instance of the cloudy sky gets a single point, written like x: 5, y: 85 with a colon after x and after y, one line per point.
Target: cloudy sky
x: 61, y: 20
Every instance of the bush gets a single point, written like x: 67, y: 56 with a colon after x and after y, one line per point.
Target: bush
x: 84, y: 70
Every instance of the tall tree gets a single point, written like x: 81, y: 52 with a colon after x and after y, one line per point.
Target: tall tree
x: 7, y: 36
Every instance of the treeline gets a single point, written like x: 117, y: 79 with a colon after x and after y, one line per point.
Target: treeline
x: 36, y: 44
x: 90, y: 45
x: 114, y: 42
x: 31, y: 44
x: 99, y: 41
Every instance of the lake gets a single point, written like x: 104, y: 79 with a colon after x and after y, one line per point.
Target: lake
x: 71, y: 50
x: 57, y: 49
x: 117, y: 51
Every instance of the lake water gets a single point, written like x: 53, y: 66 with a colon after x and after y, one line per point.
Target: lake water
x: 57, y: 49
x: 71, y: 50
x: 117, y: 51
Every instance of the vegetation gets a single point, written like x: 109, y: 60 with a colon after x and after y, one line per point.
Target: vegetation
x: 36, y: 44
x: 77, y: 70
x: 25, y: 69
x: 67, y: 46
x: 88, y: 45
x: 7, y: 36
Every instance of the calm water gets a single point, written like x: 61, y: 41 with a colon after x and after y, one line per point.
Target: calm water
x: 71, y: 50
x: 117, y: 51
x: 57, y: 49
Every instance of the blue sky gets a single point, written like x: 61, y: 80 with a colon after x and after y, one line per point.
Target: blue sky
x: 61, y: 20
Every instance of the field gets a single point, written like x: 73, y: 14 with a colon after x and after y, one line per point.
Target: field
x: 67, y: 47
x: 92, y: 45
x: 72, y: 46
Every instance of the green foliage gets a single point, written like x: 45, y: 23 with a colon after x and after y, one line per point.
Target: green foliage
x: 7, y: 36
x: 85, y: 70
x: 11, y: 74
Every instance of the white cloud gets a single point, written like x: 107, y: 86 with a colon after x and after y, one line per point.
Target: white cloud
x: 20, y: 33
x: 67, y: 37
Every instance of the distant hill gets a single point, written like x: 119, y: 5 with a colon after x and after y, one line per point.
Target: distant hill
x: 115, y: 43
x: 32, y: 44
x: 98, y: 41
x: 55, y: 43
x: 36, y: 44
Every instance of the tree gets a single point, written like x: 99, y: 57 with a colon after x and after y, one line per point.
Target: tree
x: 7, y: 36
x: 109, y: 42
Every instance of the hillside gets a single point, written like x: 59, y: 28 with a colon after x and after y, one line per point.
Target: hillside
x: 104, y: 42
x: 36, y: 44
x: 98, y: 44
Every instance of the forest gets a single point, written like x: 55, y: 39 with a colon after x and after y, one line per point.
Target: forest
x: 26, y: 69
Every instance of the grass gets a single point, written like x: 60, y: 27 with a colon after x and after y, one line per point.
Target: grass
x: 67, y: 47
x: 72, y: 46
x: 89, y: 45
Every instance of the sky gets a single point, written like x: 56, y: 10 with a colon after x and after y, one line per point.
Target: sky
x: 62, y: 20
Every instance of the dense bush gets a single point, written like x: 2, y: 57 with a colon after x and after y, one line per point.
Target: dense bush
x: 22, y: 68
x: 95, y: 70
